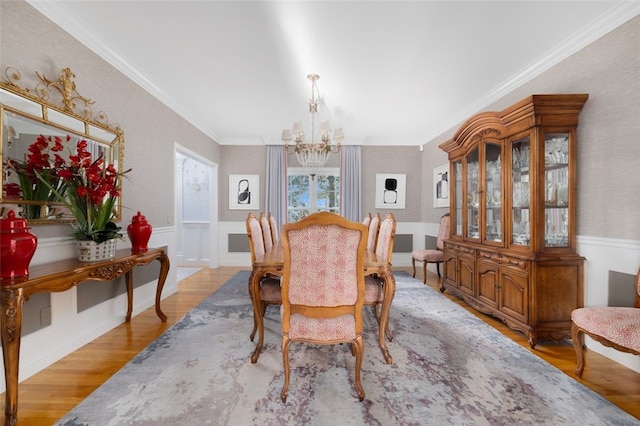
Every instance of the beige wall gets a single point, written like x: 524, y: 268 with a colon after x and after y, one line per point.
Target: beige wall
x: 608, y: 134
x: 393, y: 160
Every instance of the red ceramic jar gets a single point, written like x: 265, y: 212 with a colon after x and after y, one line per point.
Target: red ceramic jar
x: 17, y: 246
x: 139, y: 232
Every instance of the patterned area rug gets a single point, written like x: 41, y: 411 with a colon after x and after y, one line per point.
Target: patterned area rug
x: 449, y: 368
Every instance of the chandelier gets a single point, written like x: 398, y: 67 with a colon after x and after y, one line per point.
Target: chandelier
x: 314, y: 153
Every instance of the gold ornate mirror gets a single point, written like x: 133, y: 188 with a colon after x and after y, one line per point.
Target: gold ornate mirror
x: 54, y: 108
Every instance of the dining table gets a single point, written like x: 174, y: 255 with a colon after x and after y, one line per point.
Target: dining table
x: 272, y: 264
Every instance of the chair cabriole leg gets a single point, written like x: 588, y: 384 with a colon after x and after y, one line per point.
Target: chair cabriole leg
x: 578, y: 344
x: 359, y: 345
x: 285, y: 360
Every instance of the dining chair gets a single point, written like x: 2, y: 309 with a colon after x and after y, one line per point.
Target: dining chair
x: 433, y: 255
x: 374, y: 285
x: 323, y: 286
x: 266, y: 231
x: 275, y: 235
x: 367, y: 219
x: 374, y: 225
x: 615, y: 327
x: 269, y: 286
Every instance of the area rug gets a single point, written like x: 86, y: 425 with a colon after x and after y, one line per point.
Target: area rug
x: 448, y: 367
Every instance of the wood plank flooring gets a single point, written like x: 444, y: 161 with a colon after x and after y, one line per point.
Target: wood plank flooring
x: 49, y: 394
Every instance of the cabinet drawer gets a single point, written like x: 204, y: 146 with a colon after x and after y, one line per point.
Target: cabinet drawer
x: 514, y: 262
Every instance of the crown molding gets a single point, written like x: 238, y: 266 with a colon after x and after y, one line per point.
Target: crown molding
x: 616, y: 16
x: 57, y: 13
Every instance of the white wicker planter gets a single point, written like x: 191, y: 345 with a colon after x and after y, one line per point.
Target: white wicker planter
x: 90, y: 251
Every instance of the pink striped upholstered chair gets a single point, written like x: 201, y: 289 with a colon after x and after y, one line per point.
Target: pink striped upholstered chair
x: 267, y: 236
x: 367, y: 220
x: 269, y: 286
x: 373, y: 285
x: 374, y: 226
x: 615, y: 327
x: 273, y: 224
x: 433, y: 255
x: 323, y: 286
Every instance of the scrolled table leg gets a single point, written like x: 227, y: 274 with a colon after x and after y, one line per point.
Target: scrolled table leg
x: 11, y: 320
x: 164, y: 271
x: 254, y: 286
x: 389, y: 293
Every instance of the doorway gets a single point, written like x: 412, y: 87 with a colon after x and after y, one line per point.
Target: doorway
x: 196, y: 192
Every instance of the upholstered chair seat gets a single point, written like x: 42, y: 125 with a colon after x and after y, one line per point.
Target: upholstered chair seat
x: 373, y: 291
x: 432, y: 255
x: 322, y: 329
x: 429, y: 256
x: 615, y: 327
x: 619, y: 325
x: 270, y: 291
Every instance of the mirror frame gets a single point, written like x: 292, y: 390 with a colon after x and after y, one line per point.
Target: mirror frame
x: 59, y: 106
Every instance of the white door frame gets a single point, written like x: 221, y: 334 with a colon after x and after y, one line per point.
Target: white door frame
x: 213, y: 199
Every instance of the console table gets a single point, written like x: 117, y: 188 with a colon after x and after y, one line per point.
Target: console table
x: 57, y: 277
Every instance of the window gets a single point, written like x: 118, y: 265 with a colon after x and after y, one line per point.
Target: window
x: 310, y: 193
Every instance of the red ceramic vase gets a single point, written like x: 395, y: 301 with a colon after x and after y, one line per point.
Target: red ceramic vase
x: 139, y: 232
x: 17, y: 246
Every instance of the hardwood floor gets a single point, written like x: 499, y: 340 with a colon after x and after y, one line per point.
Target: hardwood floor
x: 49, y: 394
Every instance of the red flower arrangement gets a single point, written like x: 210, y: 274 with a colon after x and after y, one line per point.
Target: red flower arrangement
x: 88, y: 188
x: 91, y: 190
x: 32, y: 172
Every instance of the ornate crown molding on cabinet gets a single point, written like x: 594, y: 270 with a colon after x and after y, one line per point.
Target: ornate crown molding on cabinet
x: 512, y: 251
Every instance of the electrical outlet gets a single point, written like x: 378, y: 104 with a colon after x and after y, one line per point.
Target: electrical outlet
x: 45, y: 316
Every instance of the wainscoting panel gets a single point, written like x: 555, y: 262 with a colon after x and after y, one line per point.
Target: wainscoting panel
x: 70, y: 329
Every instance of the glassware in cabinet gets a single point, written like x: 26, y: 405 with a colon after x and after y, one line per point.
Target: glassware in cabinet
x: 556, y: 197
x: 457, y: 197
x: 493, y: 192
x: 520, y: 191
x: 473, y: 195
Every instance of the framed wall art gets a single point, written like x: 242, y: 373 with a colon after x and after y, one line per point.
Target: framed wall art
x: 441, y: 186
x: 390, y: 191
x: 244, y: 192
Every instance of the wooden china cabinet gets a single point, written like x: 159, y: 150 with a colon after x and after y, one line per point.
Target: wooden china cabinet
x: 512, y: 250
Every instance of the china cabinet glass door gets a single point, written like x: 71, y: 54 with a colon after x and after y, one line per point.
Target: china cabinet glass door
x: 556, y: 198
x: 492, y: 192
x: 473, y: 195
x: 520, y: 191
x: 457, y: 197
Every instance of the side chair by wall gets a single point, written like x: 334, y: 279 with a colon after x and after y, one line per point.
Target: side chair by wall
x: 323, y: 286
x: 433, y: 255
x: 269, y: 286
x: 373, y: 285
x: 615, y: 327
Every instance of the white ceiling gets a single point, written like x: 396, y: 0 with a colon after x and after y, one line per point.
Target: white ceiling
x: 391, y: 72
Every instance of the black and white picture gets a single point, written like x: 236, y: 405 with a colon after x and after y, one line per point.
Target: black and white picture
x: 390, y: 191
x: 441, y: 186
x: 244, y: 192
